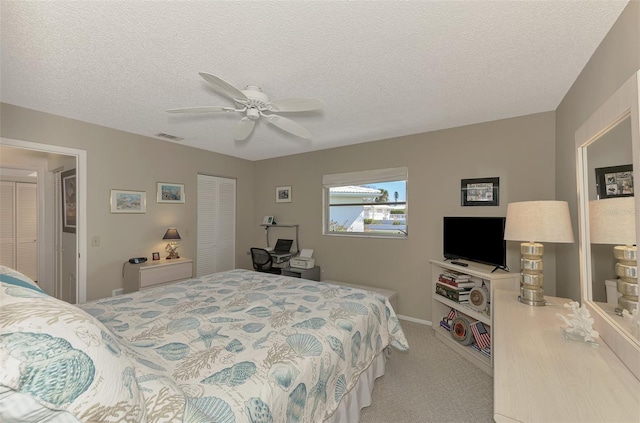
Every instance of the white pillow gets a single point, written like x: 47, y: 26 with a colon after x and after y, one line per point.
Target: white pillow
x: 65, y: 359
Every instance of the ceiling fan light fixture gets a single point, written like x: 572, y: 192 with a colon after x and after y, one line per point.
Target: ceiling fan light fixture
x: 253, y: 113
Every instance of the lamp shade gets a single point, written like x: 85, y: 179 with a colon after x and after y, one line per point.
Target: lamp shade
x: 172, y: 233
x: 538, y: 221
x: 613, y: 221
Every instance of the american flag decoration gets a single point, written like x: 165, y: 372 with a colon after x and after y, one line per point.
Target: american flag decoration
x: 480, y: 334
x: 452, y: 314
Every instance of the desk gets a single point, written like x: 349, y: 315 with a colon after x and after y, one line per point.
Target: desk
x: 539, y: 377
x: 312, y: 274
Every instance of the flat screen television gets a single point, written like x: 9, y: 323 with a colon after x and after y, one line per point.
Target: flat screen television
x: 477, y: 239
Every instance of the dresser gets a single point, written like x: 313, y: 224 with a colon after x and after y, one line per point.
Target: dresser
x: 540, y: 377
x: 156, y: 272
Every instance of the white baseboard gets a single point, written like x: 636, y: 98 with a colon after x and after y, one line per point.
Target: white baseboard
x: 414, y: 320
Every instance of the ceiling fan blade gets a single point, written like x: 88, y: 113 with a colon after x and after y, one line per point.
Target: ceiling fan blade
x: 202, y: 109
x: 223, y: 87
x: 288, y: 125
x: 297, y: 104
x: 243, y: 128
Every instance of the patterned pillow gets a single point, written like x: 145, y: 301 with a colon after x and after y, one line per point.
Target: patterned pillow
x: 65, y: 359
x: 13, y: 277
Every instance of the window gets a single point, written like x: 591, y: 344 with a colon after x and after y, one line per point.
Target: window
x: 367, y: 203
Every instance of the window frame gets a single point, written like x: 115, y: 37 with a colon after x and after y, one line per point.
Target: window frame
x: 360, y: 178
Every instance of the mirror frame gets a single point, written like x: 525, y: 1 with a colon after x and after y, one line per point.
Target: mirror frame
x: 622, y: 104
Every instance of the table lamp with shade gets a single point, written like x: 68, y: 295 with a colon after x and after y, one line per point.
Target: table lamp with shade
x: 535, y: 222
x: 173, y: 236
x: 613, y: 221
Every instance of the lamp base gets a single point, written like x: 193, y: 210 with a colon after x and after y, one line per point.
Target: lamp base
x: 173, y: 255
x: 532, y: 303
x: 627, y: 272
x: 531, y: 277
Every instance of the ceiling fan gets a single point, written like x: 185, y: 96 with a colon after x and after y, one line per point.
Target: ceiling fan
x: 255, y: 104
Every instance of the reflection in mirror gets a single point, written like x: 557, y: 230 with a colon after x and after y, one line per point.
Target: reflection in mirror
x: 608, y: 151
x: 611, y: 223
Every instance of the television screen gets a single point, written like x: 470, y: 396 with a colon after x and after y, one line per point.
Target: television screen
x: 478, y: 239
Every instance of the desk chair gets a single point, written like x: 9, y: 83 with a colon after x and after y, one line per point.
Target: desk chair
x: 262, y: 261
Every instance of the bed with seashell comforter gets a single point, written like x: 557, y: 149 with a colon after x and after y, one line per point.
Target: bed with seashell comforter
x: 231, y: 347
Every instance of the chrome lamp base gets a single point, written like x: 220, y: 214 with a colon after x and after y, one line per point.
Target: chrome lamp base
x: 531, y: 277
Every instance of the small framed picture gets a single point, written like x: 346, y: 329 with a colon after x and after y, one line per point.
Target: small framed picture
x: 283, y: 194
x: 69, y: 201
x: 170, y: 193
x: 128, y: 201
x: 480, y: 192
x: 156, y: 256
x: 268, y: 220
x: 614, y: 181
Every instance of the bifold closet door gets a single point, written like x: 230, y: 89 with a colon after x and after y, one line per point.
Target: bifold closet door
x: 27, y: 229
x: 7, y: 224
x: 216, y: 224
x: 19, y: 227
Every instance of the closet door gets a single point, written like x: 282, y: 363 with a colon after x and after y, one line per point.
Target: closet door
x: 27, y: 229
x: 216, y: 224
x: 7, y: 224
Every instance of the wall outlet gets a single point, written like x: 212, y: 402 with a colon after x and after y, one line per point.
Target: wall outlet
x: 117, y: 292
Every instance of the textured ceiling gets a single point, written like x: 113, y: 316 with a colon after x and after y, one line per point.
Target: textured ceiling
x: 382, y: 69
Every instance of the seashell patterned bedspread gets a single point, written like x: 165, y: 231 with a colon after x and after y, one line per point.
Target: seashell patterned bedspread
x: 242, y: 346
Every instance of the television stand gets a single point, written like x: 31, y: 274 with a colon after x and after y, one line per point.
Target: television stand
x: 442, y: 307
x: 459, y: 263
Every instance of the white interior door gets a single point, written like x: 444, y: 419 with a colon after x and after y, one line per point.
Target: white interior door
x: 7, y: 224
x: 27, y: 229
x: 19, y: 227
x: 216, y: 224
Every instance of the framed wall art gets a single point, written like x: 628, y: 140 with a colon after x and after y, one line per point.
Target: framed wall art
x: 170, y: 193
x: 480, y: 192
x: 614, y: 181
x: 128, y: 201
x: 69, y: 191
x: 283, y: 194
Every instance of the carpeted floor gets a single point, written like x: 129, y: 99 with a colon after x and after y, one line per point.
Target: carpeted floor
x: 429, y: 383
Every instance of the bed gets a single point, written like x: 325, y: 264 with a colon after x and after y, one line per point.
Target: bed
x: 231, y: 347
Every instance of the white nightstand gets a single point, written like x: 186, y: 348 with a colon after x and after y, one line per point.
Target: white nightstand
x: 156, y: 272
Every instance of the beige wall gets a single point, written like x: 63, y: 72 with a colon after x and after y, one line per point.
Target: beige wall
x: 120, y: 160
x: 521, y: 151
x: 512, y: 149
x: 613, y: 63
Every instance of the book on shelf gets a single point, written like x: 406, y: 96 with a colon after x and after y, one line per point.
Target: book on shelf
x: 452, y: 294
x: 459, y: 291
x: 456, y: 276
x: 445, y: 325
x: 456, y: 284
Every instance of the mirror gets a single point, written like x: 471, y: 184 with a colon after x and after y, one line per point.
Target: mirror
x: 608, y: 149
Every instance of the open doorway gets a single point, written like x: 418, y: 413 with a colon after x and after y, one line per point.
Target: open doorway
x: 61, y: 255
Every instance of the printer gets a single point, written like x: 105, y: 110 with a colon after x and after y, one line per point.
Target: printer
x: 303, y: 261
